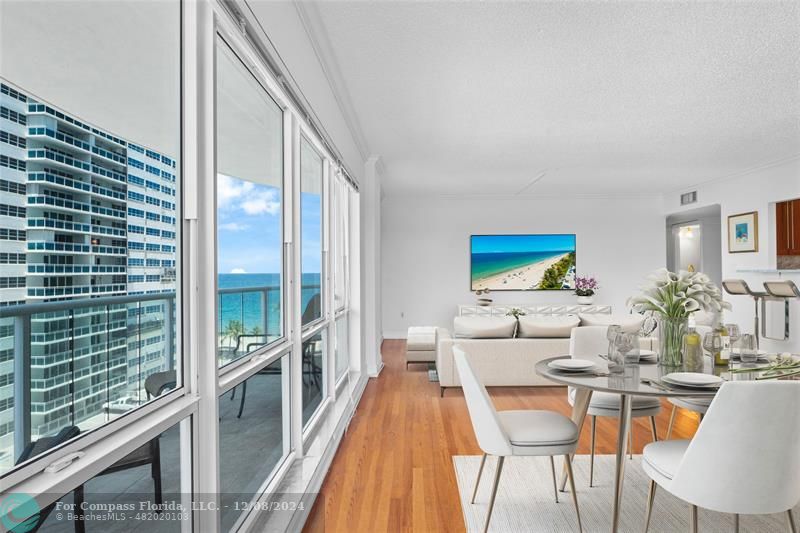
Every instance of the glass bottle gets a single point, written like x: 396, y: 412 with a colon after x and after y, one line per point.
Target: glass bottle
x: 723, y: 356
x: 692, y: 349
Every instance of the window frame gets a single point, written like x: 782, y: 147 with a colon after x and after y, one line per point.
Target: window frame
x: 30, y: 476
x: 241, y: 365
x: 305, y: 135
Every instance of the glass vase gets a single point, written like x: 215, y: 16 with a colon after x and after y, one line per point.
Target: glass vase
x: 671, y: 331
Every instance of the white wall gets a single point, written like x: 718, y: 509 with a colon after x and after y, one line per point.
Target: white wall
x: 755, y: 191
x: 426, y: 261
x: 289, y: 36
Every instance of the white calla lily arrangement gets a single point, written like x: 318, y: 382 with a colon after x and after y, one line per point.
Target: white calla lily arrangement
x: 678, y: 295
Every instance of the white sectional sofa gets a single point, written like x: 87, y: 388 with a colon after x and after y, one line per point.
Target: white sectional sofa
x: 500, y: 357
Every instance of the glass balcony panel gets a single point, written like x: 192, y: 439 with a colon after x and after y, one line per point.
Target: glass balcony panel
x: 253, y: 437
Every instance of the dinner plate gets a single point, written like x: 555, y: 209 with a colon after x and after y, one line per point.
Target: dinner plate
x: 647, y: 354
x: 571, y: 365
x: 762, y: 355
x: 692, y: 379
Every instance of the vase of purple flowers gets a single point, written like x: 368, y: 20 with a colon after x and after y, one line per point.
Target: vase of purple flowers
x: 585, y: 289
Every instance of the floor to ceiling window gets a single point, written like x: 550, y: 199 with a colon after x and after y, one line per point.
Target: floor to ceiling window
x: 249, y: 214
x: 91, y: 157
x: 108, y: 248
x: 311, y: 175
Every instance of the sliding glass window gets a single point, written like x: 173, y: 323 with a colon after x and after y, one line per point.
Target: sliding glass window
x: 91, y: 320
x: 253, y: 437
x: 311, y: 176
x: 249, y: 214
x: 340, y: 242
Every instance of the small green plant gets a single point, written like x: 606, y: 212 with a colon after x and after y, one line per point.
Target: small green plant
x: 515, y: 312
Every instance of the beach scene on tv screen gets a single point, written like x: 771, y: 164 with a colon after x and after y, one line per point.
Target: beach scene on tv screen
x: 523, y: 262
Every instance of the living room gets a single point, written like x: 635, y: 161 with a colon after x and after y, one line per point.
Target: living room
x: 298, y: 265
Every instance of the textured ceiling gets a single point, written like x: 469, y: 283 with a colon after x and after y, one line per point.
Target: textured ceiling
x: 577, y: 98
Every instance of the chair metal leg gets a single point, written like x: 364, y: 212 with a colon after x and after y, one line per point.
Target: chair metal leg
x: 693, y: 524
x: 571, y: 477
x: 651, y: 496
x: 653, y: 428
x: 579, y: 409
x: 494, y: 493
x: 591, y: 453
x: 630, y: 442
x: 671, y: 421
x: 241, y: 403
x: 736, y: 523
x: 553, y: 471
x: 478, y: 481
x: 790, y: 519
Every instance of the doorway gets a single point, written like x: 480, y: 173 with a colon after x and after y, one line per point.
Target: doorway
x: 694, y: 241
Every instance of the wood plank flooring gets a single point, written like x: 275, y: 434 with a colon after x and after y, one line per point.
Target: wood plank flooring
x: 393, y: 470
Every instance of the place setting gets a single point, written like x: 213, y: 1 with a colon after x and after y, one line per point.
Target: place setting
x: 577, y: 367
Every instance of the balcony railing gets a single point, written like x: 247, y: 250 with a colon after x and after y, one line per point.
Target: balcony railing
x: 81, y: 362
x: 84, y: 362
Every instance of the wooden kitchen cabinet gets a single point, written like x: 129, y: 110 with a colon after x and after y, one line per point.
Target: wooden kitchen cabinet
x: 787, y: 231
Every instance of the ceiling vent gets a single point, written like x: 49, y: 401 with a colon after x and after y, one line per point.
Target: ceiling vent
x: 689, y: 198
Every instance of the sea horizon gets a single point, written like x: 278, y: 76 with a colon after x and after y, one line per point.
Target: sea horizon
x: 247, y: 307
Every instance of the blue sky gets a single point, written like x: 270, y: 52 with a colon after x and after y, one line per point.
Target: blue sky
x: 249, y: 228
x: 522, y: 243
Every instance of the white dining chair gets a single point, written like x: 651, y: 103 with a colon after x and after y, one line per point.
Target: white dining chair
x: 588, y: 342
x: 743, y: 458
x: 514, y: 433
x: 697, y: 405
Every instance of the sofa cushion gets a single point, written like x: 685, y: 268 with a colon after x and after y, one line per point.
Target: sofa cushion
x: 629, y: 323
x: 547, y: 326
x: 484, y: 327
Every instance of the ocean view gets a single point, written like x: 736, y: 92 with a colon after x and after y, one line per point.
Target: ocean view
x: 247, y: 306
x: 485, y: 265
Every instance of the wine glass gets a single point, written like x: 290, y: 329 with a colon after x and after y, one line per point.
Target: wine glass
x: 712, y: 343
x: 624, y: 343
x: 748, y: 351
x: 734, y: 333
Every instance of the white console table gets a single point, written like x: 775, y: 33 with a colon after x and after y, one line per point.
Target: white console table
x: 555, y: 309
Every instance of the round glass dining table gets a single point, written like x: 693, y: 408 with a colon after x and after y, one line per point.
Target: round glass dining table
x: 642, y: 379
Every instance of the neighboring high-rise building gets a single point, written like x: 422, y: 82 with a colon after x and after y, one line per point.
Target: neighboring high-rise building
x: 84, y: 213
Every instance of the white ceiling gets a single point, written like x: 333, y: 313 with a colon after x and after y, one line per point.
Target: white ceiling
x: 592, y: 98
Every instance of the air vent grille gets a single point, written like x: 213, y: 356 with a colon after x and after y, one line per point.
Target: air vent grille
x: 689, y: 198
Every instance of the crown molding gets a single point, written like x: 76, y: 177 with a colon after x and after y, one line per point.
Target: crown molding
x: 320, y: 42
x: 739, y: 173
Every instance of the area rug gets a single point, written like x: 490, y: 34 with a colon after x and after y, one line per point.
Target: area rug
x: 525, y: 501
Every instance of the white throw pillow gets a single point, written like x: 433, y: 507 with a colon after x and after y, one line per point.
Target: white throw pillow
x: 484, y: 327
x: 547, y: 326
x: 629, y: 323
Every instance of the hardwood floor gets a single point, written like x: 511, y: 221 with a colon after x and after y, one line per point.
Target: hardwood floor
x: 393, y: 470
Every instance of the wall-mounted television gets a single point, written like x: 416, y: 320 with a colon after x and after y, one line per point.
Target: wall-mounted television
x: 522, y: 262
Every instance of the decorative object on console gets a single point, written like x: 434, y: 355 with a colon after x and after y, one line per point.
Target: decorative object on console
x: 485, y: 300
x: 585, y: 288
x: 743, y: 233
x: 522, y: 262
x: 516, y: 312
x: 673, y: 297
